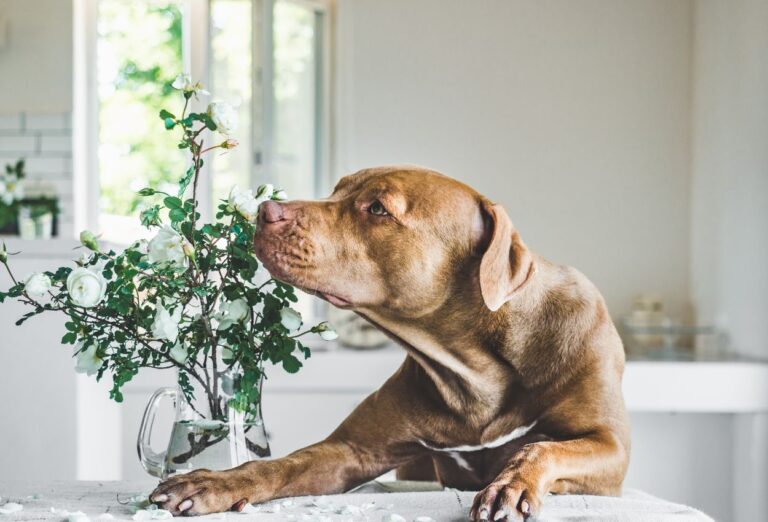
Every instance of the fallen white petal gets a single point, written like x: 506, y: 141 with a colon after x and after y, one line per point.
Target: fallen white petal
x: 250, y: 509
x: 393, y: 517
x: 36, y: 496
x: 77, y: 516
x: 141, y: 499
x: 423, y: 519
x: 10, y: 507
x: 152, y: 514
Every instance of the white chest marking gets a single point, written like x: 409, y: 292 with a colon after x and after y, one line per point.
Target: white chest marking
x: 514, y: 434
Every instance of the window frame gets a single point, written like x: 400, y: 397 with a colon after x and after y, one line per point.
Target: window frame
x: 196, y: 55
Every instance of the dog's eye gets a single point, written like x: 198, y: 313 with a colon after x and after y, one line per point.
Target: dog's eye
x: 377, y: 209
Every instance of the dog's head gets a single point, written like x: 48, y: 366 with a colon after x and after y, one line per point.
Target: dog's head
x: 401, y: 240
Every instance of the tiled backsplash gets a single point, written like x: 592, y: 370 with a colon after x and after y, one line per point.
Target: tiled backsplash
x: 45, y: 142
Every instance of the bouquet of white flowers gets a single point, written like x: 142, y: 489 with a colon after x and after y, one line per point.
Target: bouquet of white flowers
x: 193, y: 298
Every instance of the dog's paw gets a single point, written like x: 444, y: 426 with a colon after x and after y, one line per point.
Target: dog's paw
x: 507, y: 501
x: 201, y: 492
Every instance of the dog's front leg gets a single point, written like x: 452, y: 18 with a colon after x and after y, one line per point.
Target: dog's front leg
x: 594, y: 464
x: 371, y: 441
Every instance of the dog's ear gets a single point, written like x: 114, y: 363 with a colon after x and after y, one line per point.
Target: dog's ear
x: 507, y: 264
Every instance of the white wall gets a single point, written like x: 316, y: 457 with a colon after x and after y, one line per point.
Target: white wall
x: 729, y: 211
x: 574, y: 115
x: 36, y: 62
x: 729, y: 225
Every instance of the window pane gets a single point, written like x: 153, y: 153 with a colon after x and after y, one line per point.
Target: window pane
x: 296, y: 92
x: 231, y: 81
x: 139, y: 53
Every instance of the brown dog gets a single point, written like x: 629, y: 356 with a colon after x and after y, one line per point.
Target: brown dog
x: 512, y: 384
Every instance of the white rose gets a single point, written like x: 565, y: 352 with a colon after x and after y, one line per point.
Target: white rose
x: 179, y: 353
x: 183, y: 82
x: 167, y: 247
x: 231, y: 312
x: 326, y: 331
x: 244, y: 203
x: 37, y: 285
x: 86, y: 287
x: 280, y: 195
x: 87, y: 360
x: 329, y: 335
x: 290, y: 318
x: 166, y: 325
x: 224, y: 116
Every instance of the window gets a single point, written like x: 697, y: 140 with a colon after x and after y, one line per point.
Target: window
x: 138, y: 51
x: 269, y: 58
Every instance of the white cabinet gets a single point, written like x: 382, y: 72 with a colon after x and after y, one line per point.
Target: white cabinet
x: 38, y: 415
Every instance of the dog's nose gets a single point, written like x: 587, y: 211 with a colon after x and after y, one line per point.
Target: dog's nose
x: 271, y: 212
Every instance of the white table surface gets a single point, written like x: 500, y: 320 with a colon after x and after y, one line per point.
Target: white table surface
x: 371, y: 503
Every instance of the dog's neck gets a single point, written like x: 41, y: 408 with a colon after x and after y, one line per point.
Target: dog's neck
x: 467, y: 357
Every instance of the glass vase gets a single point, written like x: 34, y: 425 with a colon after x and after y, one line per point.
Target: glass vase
x: 207, y: 432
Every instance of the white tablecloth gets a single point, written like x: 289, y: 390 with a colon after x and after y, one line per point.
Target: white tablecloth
x: 371, y: 503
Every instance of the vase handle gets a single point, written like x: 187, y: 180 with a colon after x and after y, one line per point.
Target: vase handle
x: 153, y: 463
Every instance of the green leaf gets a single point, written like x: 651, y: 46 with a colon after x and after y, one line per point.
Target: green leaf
x: 147, y: 192
x: 169, y: 123
x: 69, y: 338
x: 164, y: 115
x: 209, y: 122
x: 186, y: 180
x: 211, y: 230
x: 172, y: 202
x: 177, y: 215
x: 291, y: 364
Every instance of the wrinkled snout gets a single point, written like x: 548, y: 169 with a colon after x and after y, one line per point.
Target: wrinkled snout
x: 279, y: 243
x: 272, y: 212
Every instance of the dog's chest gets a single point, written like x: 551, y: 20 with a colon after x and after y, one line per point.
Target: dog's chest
x: 472, y: 466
